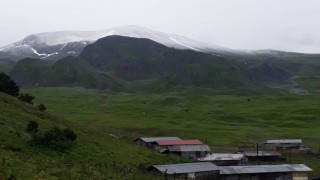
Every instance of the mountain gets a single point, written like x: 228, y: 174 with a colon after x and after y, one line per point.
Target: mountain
x: 57, y: 45
x: 129, y: 64
x: 126, y: 63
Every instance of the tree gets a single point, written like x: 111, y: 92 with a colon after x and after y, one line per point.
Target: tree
x: 32, y: 127
x: 8, y: 86
x: 26, y: 98
x: 41, y: 107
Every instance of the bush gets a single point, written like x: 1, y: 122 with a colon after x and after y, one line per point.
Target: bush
x: 58, y: 139
x: 26, y: 98
x: 41, y: 107
x: 32, y: 127
x: 71, y: 135
x: 8, y: 86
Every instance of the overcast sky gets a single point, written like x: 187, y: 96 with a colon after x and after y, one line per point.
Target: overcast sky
x: 291, y: 25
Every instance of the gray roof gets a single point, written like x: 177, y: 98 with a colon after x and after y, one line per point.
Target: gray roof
x: 188, y: 148
x: 262, y: 153
x: 264, y: 169
x: 154, y: 139
x: 222, y: 157
x: 186, y: 168
x: 280, y: 141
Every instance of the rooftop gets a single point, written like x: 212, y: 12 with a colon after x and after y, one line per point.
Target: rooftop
x: 262, y: 153
x: 279, y: 141
x: 184, y: 148
x: 222, y: 157
x: 186, y: 168
x: 154, y: 139
x: 264, y: 169
x: 179, y: 142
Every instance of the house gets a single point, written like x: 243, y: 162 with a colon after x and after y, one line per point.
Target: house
x: 265, y: 156
x: 187, y: 170
x: 282, y: 144
x: 185, y: 148
x: 150, y: 141
x: 265, y: 172
x: 224, y: 159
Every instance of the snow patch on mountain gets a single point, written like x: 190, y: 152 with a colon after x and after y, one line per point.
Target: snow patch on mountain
x: 63, y: 46
x: 189, y: 47
x: 36, y: 52
x: 48, y: 55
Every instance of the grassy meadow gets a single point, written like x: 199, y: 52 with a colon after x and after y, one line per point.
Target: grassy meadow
x: 223, y: 121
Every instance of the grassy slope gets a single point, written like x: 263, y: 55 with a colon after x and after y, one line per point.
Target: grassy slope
x: 304, y: 68
x: 218, y: 119
x: 6, y: 65
x: 93, y: 149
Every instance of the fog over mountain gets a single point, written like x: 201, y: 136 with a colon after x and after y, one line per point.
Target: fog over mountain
x: 287, y: 25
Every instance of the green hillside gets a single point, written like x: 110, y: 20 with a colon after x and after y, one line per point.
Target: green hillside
x: 28, y: 72
x: 96, y: 154
x: 72, y: 71
x: 6, y: 65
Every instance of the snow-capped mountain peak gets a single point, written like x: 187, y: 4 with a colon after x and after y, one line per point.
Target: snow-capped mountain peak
x: 56, y: 45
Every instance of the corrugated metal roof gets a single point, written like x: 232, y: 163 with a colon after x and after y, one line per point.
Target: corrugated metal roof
x: 179, y: 142
x: 222, y: 157
x: 264, y: 169
x: 280, y: 141
x: 262, y: 153
x: 186, y: 168
x: 298, y: 167
x: 189, y: 148
x: 154, y: 139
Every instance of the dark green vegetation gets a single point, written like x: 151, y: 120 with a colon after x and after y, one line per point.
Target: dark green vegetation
x: 224, y: 121
x: 7, y: 85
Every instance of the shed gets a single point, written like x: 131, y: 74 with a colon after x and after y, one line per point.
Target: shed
x: 163, y: 145
x: 150, y: 141
x: 178, y: 142
x: 221, y: 159
x: 270, y: 172
x: 282, y: 144
x: 187, y: 170
x: 265, y: 156
x: 189, y: 150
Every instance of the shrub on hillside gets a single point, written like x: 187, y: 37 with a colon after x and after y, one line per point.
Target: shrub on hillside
x: 41, y: 107
x: 58, y: 139
x: 71, y: 135
x: 32, y: 127
x: 26, y: 97
x: 8, y: 86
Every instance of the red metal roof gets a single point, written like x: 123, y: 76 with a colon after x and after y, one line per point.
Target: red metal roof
x: 179, y: 142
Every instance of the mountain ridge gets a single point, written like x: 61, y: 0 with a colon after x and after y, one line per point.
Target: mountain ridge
x: 60, y: 44
x: 127, y: 64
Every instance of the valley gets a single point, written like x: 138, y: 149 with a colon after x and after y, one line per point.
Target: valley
x: 223, y: 121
